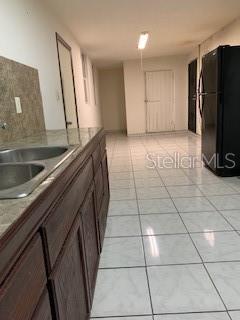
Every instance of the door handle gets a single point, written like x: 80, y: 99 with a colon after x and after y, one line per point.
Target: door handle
x: 69, y: 123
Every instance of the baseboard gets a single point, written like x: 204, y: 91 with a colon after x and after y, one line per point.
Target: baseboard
x: 156, y: 133
x: 115, y: 131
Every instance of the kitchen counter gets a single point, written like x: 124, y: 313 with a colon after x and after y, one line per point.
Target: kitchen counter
x: 11, y: 210
x: 52, y: 239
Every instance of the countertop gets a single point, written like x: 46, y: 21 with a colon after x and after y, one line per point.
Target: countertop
x: 11, y: 210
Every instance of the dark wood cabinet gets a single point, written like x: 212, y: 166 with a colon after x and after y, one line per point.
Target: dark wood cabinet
x: 102, y: 220
x: 59, y: 222
x: 23, y: 288
x: 43, y: 310
x: 96, y: 158
x: 99, y: 186
x: 90, y: 238
x: 49, y: 259
x: 68, y: 281
x: 105, y: 175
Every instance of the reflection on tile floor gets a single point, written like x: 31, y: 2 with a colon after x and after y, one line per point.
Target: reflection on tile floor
x: 172, y: 245
x: 205, y: 221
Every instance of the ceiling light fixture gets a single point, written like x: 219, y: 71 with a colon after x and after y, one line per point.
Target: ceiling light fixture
x: 143, y: 39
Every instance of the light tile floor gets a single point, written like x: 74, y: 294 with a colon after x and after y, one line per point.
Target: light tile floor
x: 172, y: 244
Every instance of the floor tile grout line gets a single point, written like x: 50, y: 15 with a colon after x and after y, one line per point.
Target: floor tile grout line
x: 200, y: 257
x: 222, y: 215
x: 144, y: 254
x: 175, y: 213
x: 166, y: 314
x: 166, y: 186
x: 203, y: 264
x: 216, y: 210
x: 171, y: 264
x: 124, y: 316
x: 167, y: 234
x: 175, y: 197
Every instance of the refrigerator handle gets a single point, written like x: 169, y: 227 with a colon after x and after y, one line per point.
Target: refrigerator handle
x: 200, y: 84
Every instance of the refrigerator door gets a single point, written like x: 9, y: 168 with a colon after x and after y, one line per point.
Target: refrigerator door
x: 210, y: 66
x: 231, y: 108
x: 210, y: 131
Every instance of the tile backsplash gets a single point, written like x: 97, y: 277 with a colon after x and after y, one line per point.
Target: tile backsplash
x: 18, y: 80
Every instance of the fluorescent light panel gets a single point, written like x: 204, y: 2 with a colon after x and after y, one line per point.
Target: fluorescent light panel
x: 143, y: 39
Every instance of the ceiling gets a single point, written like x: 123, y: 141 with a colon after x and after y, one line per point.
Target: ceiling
x: 108, y: 30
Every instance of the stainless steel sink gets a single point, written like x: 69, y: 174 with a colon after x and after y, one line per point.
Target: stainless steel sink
x: 23, y: 169
x: 18, y: 180
x: 31, y: 154
x: 13, y: 175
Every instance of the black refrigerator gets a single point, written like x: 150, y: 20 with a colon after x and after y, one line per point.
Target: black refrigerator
x: 220, y: 110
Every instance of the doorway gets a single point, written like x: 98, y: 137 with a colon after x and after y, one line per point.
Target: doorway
x: 67, y: 83
x: 192, y: 95
x: 159, y: 101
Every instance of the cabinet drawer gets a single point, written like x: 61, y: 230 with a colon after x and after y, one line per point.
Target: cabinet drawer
x: 23, y: 288
x: 43, y: 311
x: 60, y: 220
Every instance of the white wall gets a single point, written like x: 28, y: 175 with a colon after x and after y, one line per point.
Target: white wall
x: 112, y: 98
x: 229, y: 35
x: 135, y: 90
x: 27, y: 35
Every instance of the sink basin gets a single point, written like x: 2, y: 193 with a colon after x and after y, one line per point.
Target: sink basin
x: 14, y: 175
x: 31, y: 154
x: 22, y: 170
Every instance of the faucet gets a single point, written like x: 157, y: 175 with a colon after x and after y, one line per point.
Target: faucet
x: 3, y: 125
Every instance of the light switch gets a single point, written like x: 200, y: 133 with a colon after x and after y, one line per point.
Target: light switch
x: 18, y: 105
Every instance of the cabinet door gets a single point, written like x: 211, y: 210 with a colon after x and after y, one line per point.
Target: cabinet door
x: 90, y: 238
x: 21, y: 292
x: 99, y: 187
x: 59, y: 222
x: 68, y: 281
x: 43, y: 311
x: 104, y: 208
x: 96, y: 158
x: 105, y: 175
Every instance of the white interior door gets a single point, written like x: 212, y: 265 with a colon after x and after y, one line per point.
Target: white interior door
x: 159, y: 101
x: 65, y: 60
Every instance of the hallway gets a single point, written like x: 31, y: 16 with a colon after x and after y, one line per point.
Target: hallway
x: 172, y: 245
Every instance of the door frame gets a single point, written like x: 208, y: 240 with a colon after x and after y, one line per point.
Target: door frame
x: 59, y: 39
x: 196, y: 62
x: 145, y: 94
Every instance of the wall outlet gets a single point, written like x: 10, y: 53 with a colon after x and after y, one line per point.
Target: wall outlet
x: 18, y: 105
